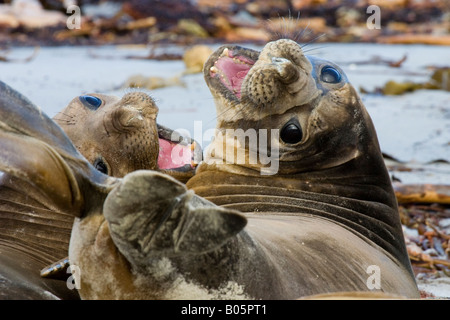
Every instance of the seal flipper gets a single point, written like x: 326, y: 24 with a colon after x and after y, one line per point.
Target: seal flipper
x: 25, y: 128
x: 153, y: 215
x: 36, y: 150
x: 19, y: 115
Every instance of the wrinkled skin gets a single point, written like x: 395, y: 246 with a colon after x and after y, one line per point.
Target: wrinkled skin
x: 149, y: 223
x: 311, y: 225
x: 330, y: 169
x: 45, y: 183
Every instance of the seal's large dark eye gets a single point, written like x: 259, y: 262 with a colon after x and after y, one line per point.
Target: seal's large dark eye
x: 101, y: 166
x: 330, y: 75
x: 291, y: 133
x: 91, y: 102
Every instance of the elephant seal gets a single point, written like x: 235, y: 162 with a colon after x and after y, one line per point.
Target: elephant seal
x: 314, y: 215
x: 329, y: 183
x: 45, y: 183
x: 116, y: 135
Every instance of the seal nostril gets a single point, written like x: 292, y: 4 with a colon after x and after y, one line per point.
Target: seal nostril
x: 279, y: 60
x: 286, y: 70
x: 142, y: 102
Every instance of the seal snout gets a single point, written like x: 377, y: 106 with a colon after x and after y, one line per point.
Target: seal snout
x: 135, y: 107
x: 287, y: 71
x: 133, y: 113
x: 265, y: 78
x: 281, y: 70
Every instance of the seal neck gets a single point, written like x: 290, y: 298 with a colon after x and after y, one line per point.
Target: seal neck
x: 363, y: 203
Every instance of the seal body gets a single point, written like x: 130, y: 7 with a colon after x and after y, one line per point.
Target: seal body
x: 47, y: 180
x: 292, y: 200
x: 44, y: 183
x: 327, y: 184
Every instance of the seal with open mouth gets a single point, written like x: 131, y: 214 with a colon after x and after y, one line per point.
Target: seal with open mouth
x: 305, y: 208
x: 45, y: 182
x: 326, y: 211
x: 116, y: 135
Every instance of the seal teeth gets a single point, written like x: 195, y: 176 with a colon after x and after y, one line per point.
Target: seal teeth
x: 225, y: 53
x: 238, y: 61
x: 214, y: 69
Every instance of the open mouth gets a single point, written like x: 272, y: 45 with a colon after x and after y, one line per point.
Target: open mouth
x: 231, y: 68
x: 177, y: 153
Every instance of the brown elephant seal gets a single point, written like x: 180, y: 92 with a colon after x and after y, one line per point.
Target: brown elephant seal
x: 314, y: 214
x: 116, y: 135
x: 328, y: 179
x: 45, y: 182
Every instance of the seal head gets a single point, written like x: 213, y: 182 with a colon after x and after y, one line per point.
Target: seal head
x: 117, y: 135
x: 323, y: 152
x: 46, y: 183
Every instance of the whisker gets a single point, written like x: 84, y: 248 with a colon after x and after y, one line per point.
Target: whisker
x: 240, y: 110
x: 222, y: 113
x: 302, y: 32
x: 62, y: 120
x: 64, y: 114
x: 287, y: 29
x: 310, y: 51
x: 313, y: 40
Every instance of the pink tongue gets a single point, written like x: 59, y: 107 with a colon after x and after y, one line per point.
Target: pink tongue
x: 173, y: 155
x: 234, y: 72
